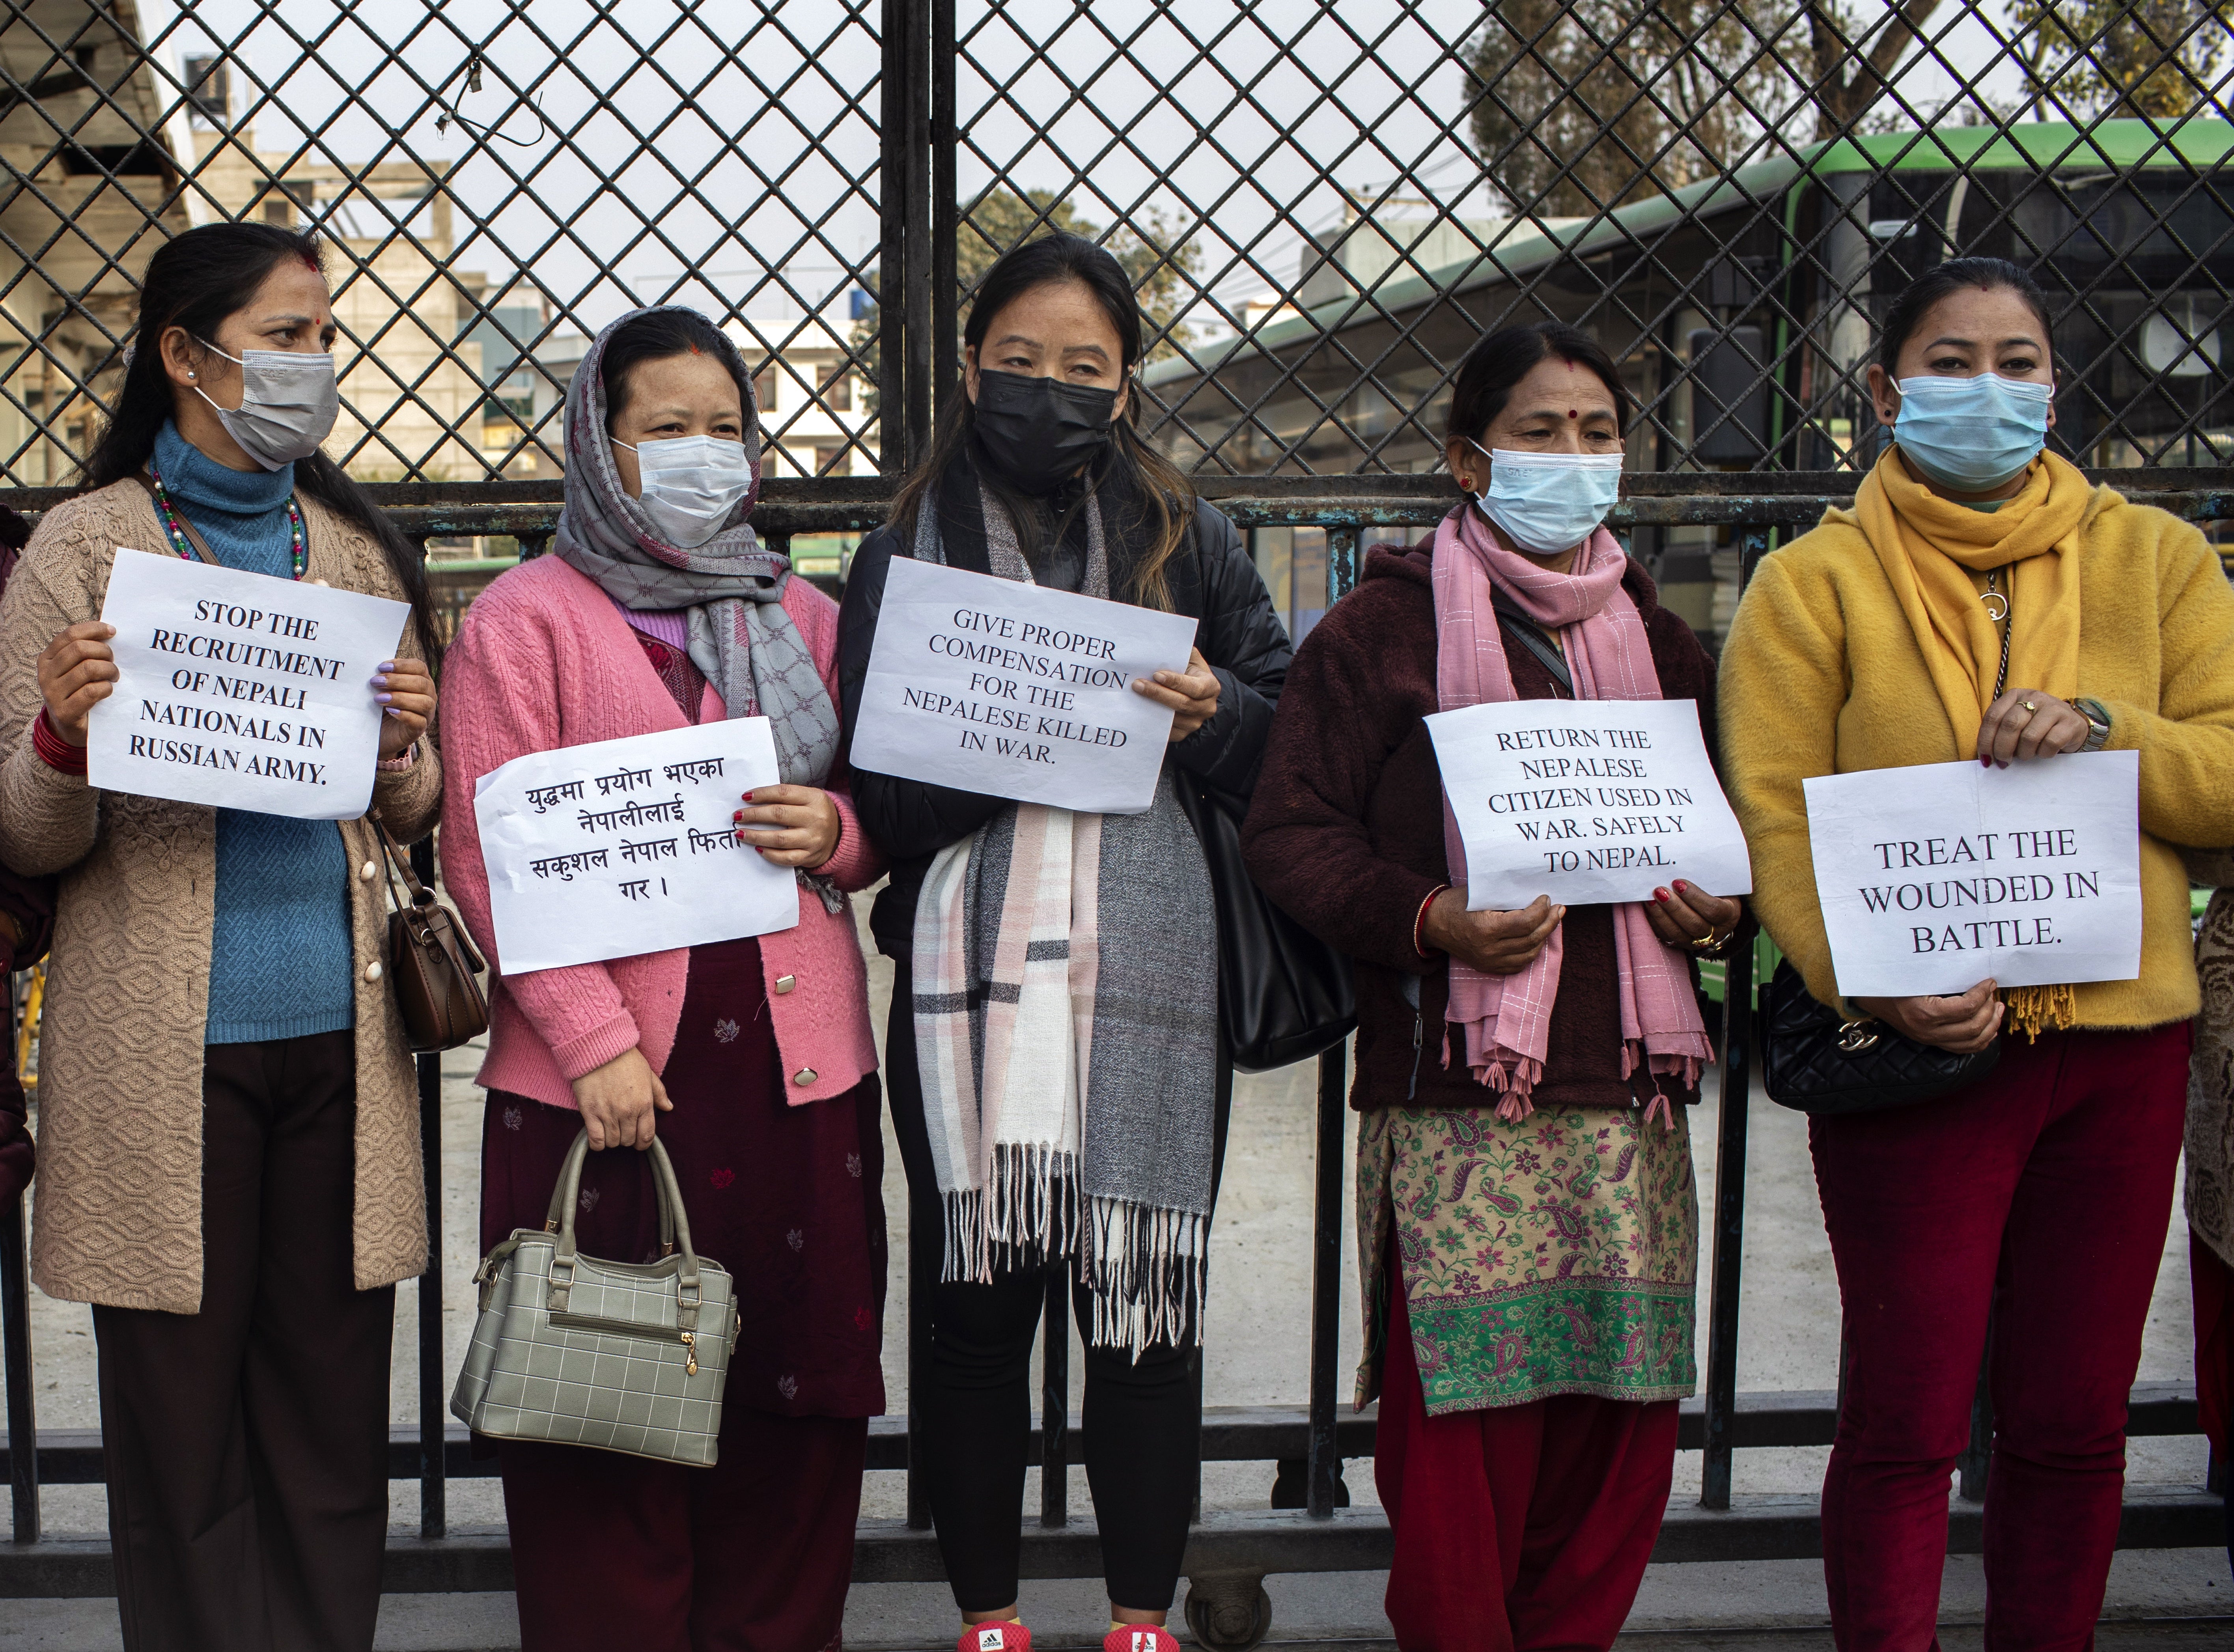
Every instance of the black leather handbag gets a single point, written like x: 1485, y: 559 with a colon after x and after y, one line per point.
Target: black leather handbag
x: 1284, y: 994
x: 1819, y: 1062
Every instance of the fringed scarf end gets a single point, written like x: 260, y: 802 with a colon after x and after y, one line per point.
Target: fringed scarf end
x: 1027, y: 1214
x: 1149, y: 1269
x: 2034, y: 1010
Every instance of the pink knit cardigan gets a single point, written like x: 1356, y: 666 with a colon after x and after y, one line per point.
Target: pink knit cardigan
x: 543, y: 660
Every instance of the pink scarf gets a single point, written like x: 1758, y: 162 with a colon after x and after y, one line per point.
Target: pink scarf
x: 1508, y: 1018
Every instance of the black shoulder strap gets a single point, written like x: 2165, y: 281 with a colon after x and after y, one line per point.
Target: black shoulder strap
x: 1524, y: 631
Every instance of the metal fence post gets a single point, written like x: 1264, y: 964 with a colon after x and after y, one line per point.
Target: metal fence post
x: 433, y: 1411
x: 1728, y: 1263
x: 1326, y: 1286
x: 16, y: 1354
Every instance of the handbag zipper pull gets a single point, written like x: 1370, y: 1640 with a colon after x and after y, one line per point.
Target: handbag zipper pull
x: 690, y: 1353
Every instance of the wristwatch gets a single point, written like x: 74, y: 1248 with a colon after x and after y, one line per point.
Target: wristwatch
x: 2098, y: 723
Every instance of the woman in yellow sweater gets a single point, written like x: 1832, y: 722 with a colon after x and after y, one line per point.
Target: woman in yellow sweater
x: 1877, y: 641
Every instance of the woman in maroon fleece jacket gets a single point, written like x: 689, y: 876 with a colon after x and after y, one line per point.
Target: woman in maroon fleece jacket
x: 1527, y: 1221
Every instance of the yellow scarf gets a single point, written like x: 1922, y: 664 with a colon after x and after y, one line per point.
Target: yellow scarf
x: 1929, y: 548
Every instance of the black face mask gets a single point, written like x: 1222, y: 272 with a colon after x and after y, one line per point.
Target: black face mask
x: 1035, y: 432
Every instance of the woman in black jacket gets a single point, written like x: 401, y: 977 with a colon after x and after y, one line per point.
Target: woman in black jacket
x: 1092, y: 1138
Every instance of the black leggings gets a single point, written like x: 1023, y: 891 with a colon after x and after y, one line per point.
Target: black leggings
x: 1142, y: 1419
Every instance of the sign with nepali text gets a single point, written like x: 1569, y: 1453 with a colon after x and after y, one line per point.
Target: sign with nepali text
x: 1586, y: 801
x: 1013, y: 690
x: 239, y: 690
x: 1935, y: 877
x: 625, y: 846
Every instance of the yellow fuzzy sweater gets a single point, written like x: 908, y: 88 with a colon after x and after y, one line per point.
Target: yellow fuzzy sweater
x: 1822, y: 676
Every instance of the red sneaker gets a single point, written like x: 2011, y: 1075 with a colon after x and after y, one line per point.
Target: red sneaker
x: 1139, y: 1637
x: 995, y: 1637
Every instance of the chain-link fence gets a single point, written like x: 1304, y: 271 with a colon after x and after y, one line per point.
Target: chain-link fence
x: 1322, y: 204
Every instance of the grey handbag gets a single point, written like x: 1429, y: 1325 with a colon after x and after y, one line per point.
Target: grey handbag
x: 579, y: 1351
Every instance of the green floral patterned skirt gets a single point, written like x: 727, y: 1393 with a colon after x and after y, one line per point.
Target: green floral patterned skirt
x: 1554, y: 1256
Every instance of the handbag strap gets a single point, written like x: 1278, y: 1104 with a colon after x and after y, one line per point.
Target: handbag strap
x: 566, y: 1199
x: 193, y: 536
x: 1524, y: 631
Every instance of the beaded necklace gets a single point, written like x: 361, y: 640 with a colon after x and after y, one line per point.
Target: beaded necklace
x: 176, y: 530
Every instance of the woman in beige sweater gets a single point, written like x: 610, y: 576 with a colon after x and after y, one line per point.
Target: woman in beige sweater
x: 228, y: 1143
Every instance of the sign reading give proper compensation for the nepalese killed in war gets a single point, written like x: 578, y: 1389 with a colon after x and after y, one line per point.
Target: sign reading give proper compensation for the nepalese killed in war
x: 240, y: 691
x: 1935, y: 878
x: 1013, y: 690
x: 624, y: 846
x: 1585, y: 801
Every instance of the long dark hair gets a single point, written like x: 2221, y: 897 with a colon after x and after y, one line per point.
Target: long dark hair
x: 657, y: 335
x: 1161, y: 493
x: 1499, y: 360
x: 197, y: 280
x: 1952, y: 277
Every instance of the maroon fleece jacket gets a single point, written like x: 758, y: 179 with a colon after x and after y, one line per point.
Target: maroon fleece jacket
x: 1346, y: 832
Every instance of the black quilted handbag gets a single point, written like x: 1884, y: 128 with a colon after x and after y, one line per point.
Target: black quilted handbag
x: 1819, y: 1062
x: 1284, y: 994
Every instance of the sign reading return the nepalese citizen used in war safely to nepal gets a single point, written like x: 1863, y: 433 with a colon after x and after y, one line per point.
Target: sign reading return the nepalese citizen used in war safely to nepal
x: 239, y: 690
x: 625, y: 847
x: 1585, y: 801
x: 1013, y: 690
x: 1935, y: 877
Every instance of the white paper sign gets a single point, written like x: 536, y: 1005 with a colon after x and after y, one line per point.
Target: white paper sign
x: 240, y: 691
x: 1935, y: 877
x: 1013, y: 690
x: 1585, y: 800
x: 625, y: 846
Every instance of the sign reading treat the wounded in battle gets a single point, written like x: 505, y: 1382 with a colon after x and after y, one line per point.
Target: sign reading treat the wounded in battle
x: 624, y: 846
x: 239, y: 690
x: 1935, y: 877
x: 1014, y: 691
x: 1586, y: 801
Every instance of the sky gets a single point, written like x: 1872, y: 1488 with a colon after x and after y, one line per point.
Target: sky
x: 1271, y: 119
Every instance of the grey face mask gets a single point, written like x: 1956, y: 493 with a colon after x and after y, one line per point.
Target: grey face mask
x: 288, y: 404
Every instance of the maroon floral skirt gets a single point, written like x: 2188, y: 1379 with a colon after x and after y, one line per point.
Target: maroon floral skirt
x: 788, y: 1199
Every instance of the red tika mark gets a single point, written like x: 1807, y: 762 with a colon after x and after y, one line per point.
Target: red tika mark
x: 722, y: 1177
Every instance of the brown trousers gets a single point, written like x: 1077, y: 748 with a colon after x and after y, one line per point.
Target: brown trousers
x: 246, y: 1445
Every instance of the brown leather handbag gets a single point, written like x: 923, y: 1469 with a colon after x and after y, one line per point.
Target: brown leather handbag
x: 430, y: 960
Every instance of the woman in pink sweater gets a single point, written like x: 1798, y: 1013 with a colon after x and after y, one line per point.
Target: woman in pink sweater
x: 752, y: 1059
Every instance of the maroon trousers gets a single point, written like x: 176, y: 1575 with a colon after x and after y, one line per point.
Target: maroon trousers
x: 613, y: 1552
x: 2045, y: 1191
x: 1523, y: 1526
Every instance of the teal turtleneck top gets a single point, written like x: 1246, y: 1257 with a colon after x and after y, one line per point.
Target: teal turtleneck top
x: 279, y: 956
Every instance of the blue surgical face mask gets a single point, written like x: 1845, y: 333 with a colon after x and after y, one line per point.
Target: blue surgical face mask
x: 1547, y: 503
x: 1972, y: 433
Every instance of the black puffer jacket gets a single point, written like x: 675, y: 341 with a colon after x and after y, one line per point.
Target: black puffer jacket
x: 1212, y: 579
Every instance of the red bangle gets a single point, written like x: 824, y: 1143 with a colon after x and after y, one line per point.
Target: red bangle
x: 54, y: 751
x: 1420, y: 920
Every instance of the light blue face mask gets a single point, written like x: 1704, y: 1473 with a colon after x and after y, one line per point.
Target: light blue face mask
x: 1547, y: 503
x: 1972, y: 433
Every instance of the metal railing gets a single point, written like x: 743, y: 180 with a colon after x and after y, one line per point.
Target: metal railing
x: 1309, y: 1526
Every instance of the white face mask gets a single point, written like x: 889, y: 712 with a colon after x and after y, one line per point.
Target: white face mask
x: 691, y: 484
x: 1547, y: 503
x: 289, y: 400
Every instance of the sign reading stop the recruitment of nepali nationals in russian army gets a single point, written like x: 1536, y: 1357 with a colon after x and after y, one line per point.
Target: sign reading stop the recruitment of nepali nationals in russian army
x: 1586, y: 801
x: 240, y: 691
x: 625, y: 847
x: 1014, y: 691
x: 1935, y: 877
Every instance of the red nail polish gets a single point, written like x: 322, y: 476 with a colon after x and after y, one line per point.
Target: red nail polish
x: 1985, y: 762
x: 1682, y: 886
x: 1660, y: 895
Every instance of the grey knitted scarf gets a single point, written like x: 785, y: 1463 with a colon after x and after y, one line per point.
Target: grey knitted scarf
x: 741, y: 637
x: 1065, y: 981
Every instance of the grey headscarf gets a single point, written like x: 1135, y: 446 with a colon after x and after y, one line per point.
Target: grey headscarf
x: 741, y: 637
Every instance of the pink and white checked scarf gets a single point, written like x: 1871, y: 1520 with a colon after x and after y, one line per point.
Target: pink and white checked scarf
x: 1508, y: 1018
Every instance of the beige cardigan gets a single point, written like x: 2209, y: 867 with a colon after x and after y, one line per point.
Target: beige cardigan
x: 118, y: 1217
